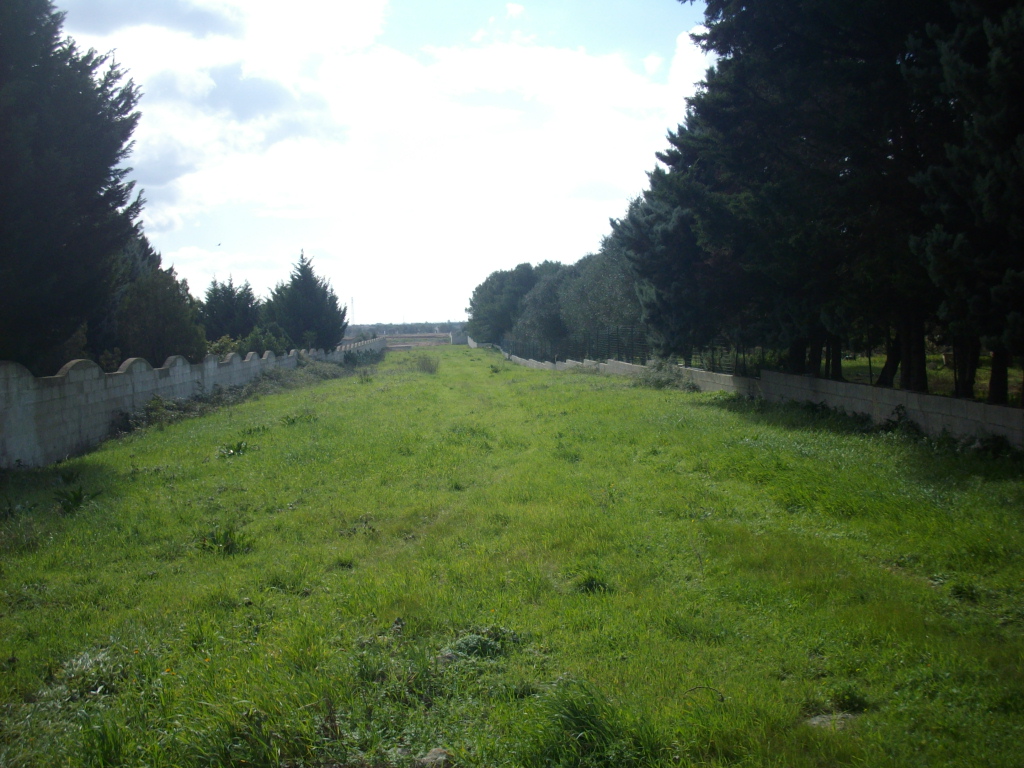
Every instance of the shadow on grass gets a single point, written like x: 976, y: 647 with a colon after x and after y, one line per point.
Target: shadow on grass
x: 36, y: 504
x: 940, y: 459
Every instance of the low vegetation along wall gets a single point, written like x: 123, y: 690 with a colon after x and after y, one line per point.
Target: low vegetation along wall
x: 46, y: 419
x: 933, y: 414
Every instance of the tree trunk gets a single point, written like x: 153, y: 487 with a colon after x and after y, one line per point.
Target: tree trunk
x: 965, y: 364
x: 893, y: 358
x: 835, y: 346
x: 797, y: 362
x: 999, y: 384
x: 915, y: 370
x: 814, y: 355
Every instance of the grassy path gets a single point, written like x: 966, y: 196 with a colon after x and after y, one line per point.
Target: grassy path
x: 523, y: 567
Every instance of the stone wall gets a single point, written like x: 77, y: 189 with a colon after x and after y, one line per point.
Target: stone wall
x: 933, y: 414
x: 46, y: 419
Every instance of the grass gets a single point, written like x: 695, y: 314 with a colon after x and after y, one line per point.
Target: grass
x: 526, y: 568
x: 427, y: 363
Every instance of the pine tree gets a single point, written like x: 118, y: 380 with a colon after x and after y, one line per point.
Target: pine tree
x: 229, y: 310
x: 307, y: 309
x: 975, y: 253
x: 158, y: 318
x: 786, y: 204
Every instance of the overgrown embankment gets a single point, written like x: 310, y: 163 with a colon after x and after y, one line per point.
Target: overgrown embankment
x: 524, y: 567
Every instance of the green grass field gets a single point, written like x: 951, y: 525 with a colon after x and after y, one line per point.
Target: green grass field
x: 526, y: 568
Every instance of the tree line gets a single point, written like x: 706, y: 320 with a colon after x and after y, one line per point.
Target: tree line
x: 374, y: 330
x: 552, y: 303
x: 848, y: 176
x: 78, y: 277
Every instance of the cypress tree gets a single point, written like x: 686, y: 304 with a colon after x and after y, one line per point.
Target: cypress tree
x: 66, y: 120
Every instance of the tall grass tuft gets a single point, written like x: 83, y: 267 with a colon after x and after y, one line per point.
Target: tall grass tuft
x: 578, y: 727
x: 427, y: 364
x: 106, y: 741
x: 225, y: 540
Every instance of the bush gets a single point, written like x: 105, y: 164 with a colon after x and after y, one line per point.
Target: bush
x: 664, y: 374
x: 222, y: 347
x: 427, y: 364
x: 356, y: 357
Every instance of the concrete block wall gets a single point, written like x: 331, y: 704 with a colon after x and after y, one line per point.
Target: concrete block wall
x: 932, y: 413
x: 621, y: 369
x: 536, y: 364
x: 722, y: 382
x: 47, y: 419
x: 479, y: 345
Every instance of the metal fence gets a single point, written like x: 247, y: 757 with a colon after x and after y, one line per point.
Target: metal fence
x: 720, y: 357
x: 724, y: 357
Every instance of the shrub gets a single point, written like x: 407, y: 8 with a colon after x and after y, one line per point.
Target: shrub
x: 664, y: 374
x: 427, y: 364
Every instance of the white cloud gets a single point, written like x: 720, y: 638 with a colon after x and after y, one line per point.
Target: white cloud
x: 653, y: 64
x: 688, y: 65
x: 407, y: 176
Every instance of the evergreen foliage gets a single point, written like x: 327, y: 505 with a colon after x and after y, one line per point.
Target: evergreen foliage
x: 600, y: 292
x: 596, y: 293
x: 497, y: 301
x: 158, y: 318
x: 975, y: 253
x: 547, y: 304
x: 847, y: 174
x: 829, y: 148
x: 78, y: 278
x: 306, y: 308
x: 105, y: 341
x: 264, y: 337
x: 540, y: 311
x: 66, y: 120
x: 229, y: 310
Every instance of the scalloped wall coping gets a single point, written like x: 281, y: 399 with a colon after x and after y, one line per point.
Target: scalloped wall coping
x: 47, y: 419
x: 135, y: 364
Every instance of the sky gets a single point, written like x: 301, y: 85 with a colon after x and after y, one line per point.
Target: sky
x: 409, y: 148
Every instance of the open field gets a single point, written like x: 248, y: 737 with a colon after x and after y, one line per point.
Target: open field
x: 527, y: 568
x: 408, y: 341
